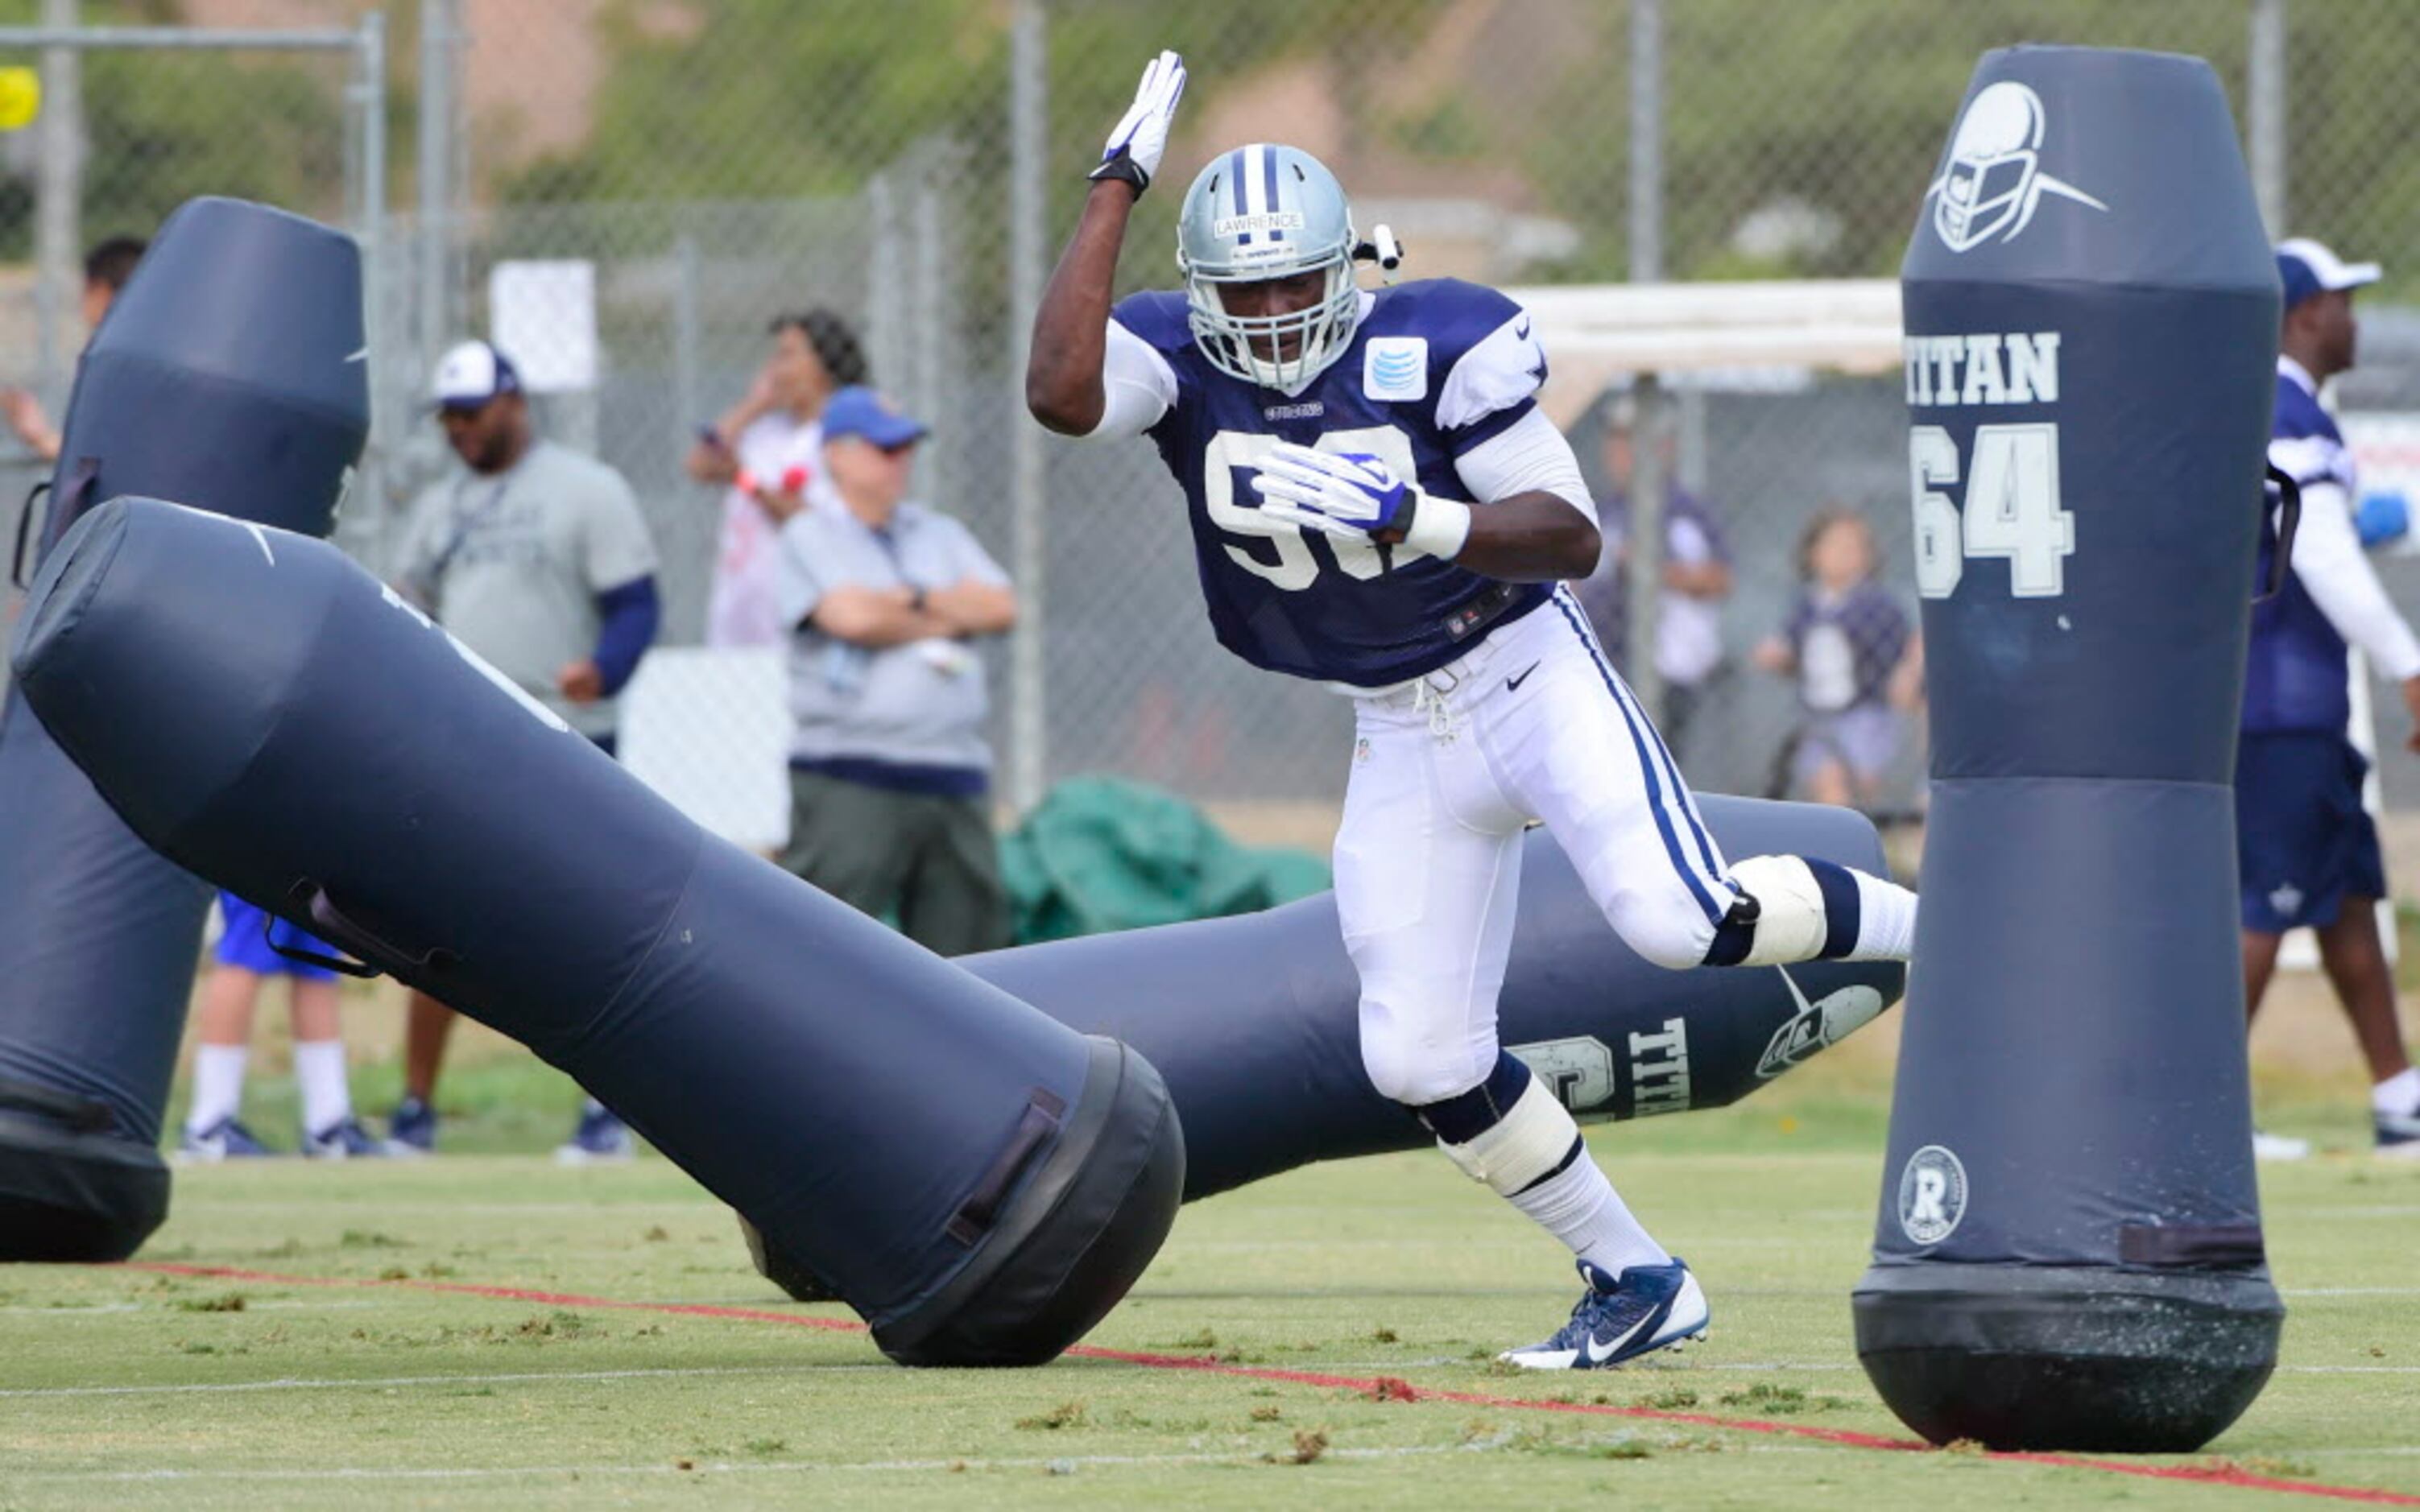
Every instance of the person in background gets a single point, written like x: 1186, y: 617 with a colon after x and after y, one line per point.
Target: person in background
x: 245, y: 957
x: 538, y: 559
x: 106, y: 268
x: 2307, y: 848
x: 1844, y: 642
x: 768, y: 453
x: 1697, y: 576
x: 890, y: 776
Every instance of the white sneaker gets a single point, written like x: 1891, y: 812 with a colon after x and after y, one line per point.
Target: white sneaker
x: 2279, y: 1146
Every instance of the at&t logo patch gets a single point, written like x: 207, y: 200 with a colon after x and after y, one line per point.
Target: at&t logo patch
x: 1931, y: 1194
x: 1395, y: 368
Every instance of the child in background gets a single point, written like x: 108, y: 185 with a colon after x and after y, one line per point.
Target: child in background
x: 1844, y: 639
x: 243, y: 959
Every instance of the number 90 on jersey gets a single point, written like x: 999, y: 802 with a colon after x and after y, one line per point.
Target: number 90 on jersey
x: 2012, y: 508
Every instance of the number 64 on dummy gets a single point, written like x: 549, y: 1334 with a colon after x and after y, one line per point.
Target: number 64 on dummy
x: 2010, y: 474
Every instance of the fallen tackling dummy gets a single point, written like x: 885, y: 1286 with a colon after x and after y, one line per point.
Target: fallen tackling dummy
x: 980, y: 1183
x: 1254, y: 1020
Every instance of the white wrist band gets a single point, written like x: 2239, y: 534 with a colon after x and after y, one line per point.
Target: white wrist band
x: 1439, y: 527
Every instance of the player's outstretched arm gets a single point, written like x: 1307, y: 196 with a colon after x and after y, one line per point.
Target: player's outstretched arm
x: 1062, y: 371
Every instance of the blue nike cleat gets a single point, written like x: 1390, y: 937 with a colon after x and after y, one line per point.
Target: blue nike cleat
x: 1651, y: 1307
x: 2398, y: 1134
x: 411, y: 1128
x: 600, y: 1137
x: 343, y: 1140
x: 224, y: 1140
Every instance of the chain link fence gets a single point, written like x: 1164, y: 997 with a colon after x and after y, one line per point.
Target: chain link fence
x: 912, y: 165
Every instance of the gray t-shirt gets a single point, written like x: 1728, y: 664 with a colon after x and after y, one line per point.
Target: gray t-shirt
x: 919, y: 704
x: 512, y: 564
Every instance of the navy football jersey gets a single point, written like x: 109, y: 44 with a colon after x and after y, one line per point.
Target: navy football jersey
x: 2296, y: 679
x: 1433, y: 368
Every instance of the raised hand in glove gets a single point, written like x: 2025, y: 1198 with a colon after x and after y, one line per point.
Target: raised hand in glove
x: 1133, y: 151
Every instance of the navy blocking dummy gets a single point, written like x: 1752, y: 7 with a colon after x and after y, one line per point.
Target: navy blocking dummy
x: 228, y: 375
x: 2068, y: 1252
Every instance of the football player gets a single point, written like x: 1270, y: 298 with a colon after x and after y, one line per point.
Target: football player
x: 2306, y: 849
x: 1377, y: 503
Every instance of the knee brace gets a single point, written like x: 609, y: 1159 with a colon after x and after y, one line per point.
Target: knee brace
x: 1790, y: 908
x: 1509, y: 1132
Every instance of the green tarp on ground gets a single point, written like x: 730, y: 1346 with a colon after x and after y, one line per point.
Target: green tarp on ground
x: 1100, y: 854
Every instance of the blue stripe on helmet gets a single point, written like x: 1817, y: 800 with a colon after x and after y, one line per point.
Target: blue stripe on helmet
x: 1236, y: 172
x: 1269, y: 200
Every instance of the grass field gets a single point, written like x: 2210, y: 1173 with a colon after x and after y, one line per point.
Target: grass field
x: 492, y: 1330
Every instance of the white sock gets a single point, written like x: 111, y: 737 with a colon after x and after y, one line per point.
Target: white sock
x: 1886, y: 920
x: 2399, y: 1094
x: 218, y: 1084
x: 1578, y: 1206
x: 319, y: 1070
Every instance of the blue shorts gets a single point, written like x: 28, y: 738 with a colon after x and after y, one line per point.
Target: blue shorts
x: 2302, y: 842
x: 242, y: 943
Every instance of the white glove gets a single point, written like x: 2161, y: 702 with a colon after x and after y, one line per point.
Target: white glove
x: 1354, y: 493
x: 1133, y: 150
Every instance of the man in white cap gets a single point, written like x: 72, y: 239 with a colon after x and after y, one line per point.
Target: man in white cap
x: 538, y: 559
x: 2307, y: 851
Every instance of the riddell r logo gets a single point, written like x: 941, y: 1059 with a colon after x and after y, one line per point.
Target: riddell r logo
x: 1931, y: 1194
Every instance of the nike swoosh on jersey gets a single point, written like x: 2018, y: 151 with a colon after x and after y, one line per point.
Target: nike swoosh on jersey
x: 1513, y: 683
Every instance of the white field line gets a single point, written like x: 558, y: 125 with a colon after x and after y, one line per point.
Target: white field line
x: 297, y: 1306
x: 201, y: 1388
x: 205, y: 1388
x: 1056, y: 1464
x: 803, y: 1368
x: 1064, y: 1462
x: 2355, y: 1451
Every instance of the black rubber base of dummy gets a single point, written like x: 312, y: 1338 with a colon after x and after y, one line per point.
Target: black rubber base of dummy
x: 2085, y: 1358
x: 66, y: 1196
x: 1063, y: 1249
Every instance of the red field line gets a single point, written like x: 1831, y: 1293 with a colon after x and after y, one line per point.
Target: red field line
x: 1384, y: 1388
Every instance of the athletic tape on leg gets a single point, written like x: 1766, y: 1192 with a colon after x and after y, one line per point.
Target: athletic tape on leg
x: 1534, y: 1139
x: 1792, y: 921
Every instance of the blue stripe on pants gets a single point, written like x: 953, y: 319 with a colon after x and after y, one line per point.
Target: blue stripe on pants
x: 1715, y: 867
x: 1672, y: 846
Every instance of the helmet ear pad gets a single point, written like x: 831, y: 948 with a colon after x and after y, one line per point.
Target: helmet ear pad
x: 1257, y: 213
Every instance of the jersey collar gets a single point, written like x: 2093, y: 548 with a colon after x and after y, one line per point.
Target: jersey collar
x: 2297, y: 373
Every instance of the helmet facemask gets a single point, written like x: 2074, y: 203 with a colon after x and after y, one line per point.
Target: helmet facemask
x: 1235, y: 344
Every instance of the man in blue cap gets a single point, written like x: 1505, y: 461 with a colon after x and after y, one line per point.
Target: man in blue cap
x: 2307, y: 850
x: 890, y: 774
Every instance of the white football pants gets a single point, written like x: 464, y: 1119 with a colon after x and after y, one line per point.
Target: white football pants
x: 1533, y: 723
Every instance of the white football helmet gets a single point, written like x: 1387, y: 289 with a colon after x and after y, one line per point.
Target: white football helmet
x: 1992, y: 161
x: 1260, y: 212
